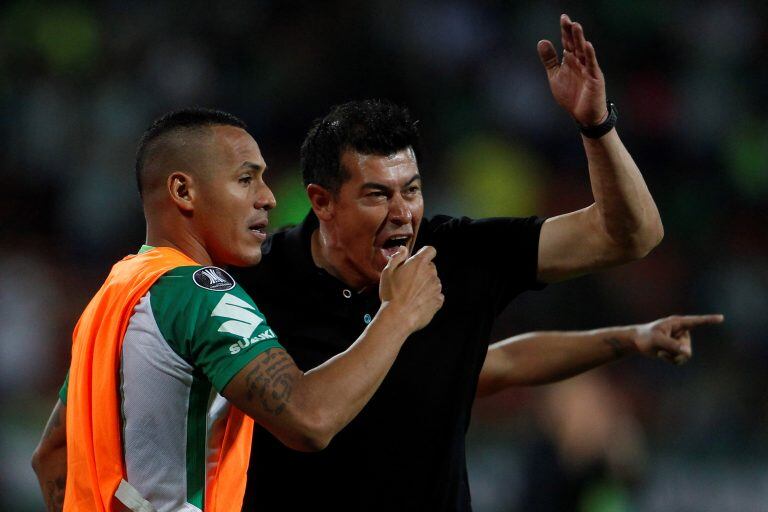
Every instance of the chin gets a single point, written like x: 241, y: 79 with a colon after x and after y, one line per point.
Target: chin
x: 253, y: 259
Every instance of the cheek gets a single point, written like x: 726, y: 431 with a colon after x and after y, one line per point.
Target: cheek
x: 417, y: 210
x: 363, y: 225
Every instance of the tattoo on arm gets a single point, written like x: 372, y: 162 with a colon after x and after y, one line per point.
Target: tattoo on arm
x: 54, y: 494
x: 50, y: 460
x: 619, y: 347
x: 271, y: 380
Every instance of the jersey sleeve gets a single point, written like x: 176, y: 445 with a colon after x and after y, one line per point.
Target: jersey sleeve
x: 209, y: 321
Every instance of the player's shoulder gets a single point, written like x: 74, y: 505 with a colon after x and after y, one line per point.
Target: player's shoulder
x: 195, y: 285
x: 208, y: 278
x: 189, y: 302
x: 197, y: 277
x: 197, y: 308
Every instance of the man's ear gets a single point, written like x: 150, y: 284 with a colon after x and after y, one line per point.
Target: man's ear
x: 182, y: 191
x: 322, y: 201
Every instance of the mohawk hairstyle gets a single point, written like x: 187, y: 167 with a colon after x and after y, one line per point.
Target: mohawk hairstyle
x: 369, y: 127
x: 191, y: 118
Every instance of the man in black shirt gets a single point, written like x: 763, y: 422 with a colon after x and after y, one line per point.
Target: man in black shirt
x: 317, y: 282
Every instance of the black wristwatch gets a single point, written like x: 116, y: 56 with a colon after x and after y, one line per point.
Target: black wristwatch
x: 597, y: 131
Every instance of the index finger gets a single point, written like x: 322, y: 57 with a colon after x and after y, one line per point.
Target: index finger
x: 689, y: 321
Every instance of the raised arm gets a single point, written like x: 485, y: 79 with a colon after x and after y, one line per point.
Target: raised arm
x: 545, y: 357
x: 305, y: 410
x: 623, y: 223
x: 50, y: 459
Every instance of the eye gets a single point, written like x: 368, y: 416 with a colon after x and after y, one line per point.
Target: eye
x: 245, y: 179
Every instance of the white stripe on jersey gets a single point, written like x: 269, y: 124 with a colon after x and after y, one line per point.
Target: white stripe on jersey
x: 155, y: 386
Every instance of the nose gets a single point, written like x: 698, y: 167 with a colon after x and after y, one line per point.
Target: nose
x: 399, y: 212
x: 265, y: 199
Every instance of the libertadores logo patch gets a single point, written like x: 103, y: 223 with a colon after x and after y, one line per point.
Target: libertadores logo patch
x: 213, y: 278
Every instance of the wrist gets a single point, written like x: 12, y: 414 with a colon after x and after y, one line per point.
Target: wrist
x: 395, y: 319
x: 607, y: 123
x: 622, y: 341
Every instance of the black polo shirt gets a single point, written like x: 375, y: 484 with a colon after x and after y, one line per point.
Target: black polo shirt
x: 405, y: 450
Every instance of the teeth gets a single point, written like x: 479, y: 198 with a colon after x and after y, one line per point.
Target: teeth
x: 396, y: 241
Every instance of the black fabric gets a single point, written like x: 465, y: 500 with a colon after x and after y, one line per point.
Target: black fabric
x: 405, y: 450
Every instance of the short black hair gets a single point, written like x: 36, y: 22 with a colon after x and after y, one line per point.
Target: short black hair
x: 184, y: 119
x: 369, y: 127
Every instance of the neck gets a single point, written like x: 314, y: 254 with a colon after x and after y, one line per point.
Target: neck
x: 334, y: 261
x: 182, y: 240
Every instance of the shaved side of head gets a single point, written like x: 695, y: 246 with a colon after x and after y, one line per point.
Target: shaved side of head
x: 183, y: 149
x: 179, y: 141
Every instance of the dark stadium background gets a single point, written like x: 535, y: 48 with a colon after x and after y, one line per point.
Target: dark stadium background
x: 80, y: 80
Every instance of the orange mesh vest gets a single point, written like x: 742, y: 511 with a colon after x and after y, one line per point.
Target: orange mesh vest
x: 95, y: 464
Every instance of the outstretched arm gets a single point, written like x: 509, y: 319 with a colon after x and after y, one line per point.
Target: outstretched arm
x: 50, y: 459
x: 623, y: 223
x: 305, y: 410
x: 545, y: 357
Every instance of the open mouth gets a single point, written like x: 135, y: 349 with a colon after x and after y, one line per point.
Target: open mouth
x: 259, y: 228
x: 393, y: 243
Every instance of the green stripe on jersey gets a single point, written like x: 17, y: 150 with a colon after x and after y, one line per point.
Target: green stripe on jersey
x: 64, y: 389
x: 196, y: 441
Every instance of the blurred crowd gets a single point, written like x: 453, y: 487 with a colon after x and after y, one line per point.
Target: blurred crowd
x: 79, y: 82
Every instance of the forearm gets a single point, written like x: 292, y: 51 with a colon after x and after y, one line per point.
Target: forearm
x: 624, y: 206
x: 52, y: 478
x: 545, y: 357
x: 50, y: 460
x: 622, y: 225
x: 305, y: 410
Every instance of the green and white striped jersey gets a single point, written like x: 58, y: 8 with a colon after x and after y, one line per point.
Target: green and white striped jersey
x: 189, y: 335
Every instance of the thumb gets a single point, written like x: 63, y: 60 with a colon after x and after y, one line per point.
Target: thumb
x: 548, y: 56
x: 395, y: 261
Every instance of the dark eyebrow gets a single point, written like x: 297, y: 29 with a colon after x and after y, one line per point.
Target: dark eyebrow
x: 416, y: 176
x: 379, y: 186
